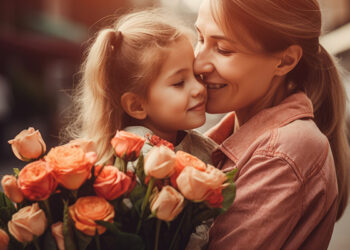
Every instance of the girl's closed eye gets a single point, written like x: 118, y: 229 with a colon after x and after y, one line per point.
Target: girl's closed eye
x: 179, y: 84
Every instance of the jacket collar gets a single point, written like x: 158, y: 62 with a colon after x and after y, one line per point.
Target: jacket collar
x: 296, y: 106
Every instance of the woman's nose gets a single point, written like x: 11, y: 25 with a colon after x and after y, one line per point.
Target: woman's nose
x: 202, y: 63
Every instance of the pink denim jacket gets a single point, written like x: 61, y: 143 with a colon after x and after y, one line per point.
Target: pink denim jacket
x: 286, y: 181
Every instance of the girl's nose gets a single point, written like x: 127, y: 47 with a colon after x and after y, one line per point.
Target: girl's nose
x: 199, y: 89
x: 202, y: 63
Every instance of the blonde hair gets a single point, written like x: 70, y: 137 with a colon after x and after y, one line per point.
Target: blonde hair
x: 125, y: 57
x: 277, y: 24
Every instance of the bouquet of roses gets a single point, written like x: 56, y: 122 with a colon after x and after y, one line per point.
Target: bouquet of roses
x: 64, y: 200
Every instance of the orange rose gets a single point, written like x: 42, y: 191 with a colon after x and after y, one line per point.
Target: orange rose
x: 57, y: 233
x: 111, y: 183
x: 70, y: 165
x: 28, y: 144
x: 183, y: 160
x: 4, y: 240
x: 86, y: 145
x: 11, y: 189
x: 160, y: 162
x: 197, y: 185
x: 86, y: 210
x: 127, y: 145
x: 27, y: 222
x: 167, y: 204
x: 36, y: 181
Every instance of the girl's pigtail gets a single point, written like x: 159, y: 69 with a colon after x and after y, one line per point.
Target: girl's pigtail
x: 97, y: 105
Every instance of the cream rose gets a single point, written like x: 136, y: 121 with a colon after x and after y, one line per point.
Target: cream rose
x: 167, y: 204
x: 70, y: 165
x: 28, y: 144
x: 27, y: 222
x: 11, y: 189
x: 197, y: 185
x: 160, y: 162
x: 86, y: 210
x: 57, y: 233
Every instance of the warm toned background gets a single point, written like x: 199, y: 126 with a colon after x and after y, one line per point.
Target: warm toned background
x: 41, y: 48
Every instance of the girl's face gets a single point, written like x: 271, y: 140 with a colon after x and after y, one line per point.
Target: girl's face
x: 237, y: 79
x: 176, y: 100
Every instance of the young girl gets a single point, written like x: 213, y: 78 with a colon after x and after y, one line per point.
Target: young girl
x: 138, y: 76
x: 287, y: 136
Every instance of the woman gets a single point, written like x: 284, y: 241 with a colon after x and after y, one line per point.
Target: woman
x: 287, y: 136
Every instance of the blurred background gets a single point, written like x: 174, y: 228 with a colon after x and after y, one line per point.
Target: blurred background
x: 42, y: 43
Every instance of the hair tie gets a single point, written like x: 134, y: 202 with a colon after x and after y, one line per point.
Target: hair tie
x: 116, y: 40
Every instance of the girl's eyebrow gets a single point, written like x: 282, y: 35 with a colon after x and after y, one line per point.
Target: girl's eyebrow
x: 178, y: 72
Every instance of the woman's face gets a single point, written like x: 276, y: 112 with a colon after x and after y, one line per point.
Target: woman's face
x: 237, y: 78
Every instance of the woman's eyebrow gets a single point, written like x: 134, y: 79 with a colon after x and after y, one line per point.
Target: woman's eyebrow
x: 216, y: 37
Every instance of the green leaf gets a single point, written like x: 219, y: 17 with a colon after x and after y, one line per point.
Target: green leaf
x: 48, y: 240
x: 68, y: 233
x: 124, y: 241
x: 231, y: 175
x: 83, y: 239
x: 140, y: 173
x: 16, y: 172
x: 229, y: 194
x: 120, y: 163
x: 137, y: 195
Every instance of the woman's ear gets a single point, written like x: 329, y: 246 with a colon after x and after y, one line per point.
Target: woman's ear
x: 133, y: 105
x: 289, y: 58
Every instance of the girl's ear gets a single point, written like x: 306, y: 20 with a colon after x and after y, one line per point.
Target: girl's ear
x: 289, y: 58
x: 133, y: 105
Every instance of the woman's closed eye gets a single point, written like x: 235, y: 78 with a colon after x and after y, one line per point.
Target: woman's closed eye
x: 224, y: 51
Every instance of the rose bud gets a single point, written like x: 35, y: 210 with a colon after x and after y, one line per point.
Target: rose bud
x: 28, y: 222
x: 87, y: 209
x: 215, y: 198
x: 70, y: 165
x: 183, y: 160
x: 36, y: 181
x: 167, y: 204
x: 28, y: 144
x: 86, y: 145
x: 11, y: 189
x: 111, y: 183
x: 57, y: 233
x: 4, y: 240
x: 127, y: 145
x: 197, y: 185
x: 160, y: 162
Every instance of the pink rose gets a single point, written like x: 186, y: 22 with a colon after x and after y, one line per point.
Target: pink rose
x: 36, y: 181
x: 70, y: 165
x: 167, y: 204
x: 11, y: 189
x: 111, y: 183
x: 127, y: 145
x: 57, y: 233
x: 28, y: 144
x: 27, y: 222
x: 160, y: 162
x: 197, y: 185
x: 4, y: 240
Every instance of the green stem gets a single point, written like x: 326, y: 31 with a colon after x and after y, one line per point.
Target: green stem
x: 121, y: 164
x: 144, y: 203
x: 177, y: 231
x: 36, y: 244
x: 156, y: 243
x: 97, y: 239
x: 48, y: 210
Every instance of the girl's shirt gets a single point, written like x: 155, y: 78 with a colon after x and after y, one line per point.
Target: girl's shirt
x: 193, y: 143
x: 286, y: 182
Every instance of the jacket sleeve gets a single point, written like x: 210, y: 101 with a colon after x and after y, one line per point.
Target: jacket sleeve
x: 267, y: 207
